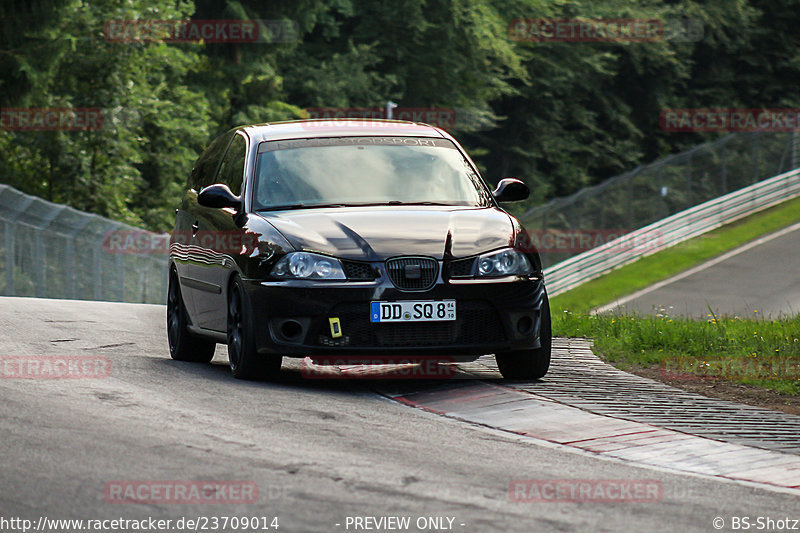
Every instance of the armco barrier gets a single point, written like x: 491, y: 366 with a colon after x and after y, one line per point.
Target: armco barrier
x: 654, y: 191
x: 671, y: 231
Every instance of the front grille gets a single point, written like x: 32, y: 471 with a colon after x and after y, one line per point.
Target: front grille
x: 461, y: 268
x: 476, y: 323
x: 357, y: 270
x: 412, y: 273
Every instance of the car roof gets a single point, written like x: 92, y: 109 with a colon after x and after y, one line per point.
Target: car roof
x: 339, y: 127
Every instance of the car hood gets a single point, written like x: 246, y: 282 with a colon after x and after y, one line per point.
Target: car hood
x: 377, y: 233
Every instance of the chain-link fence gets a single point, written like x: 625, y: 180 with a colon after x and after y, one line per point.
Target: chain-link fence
x: 565, y: 227
x: 49, y: 250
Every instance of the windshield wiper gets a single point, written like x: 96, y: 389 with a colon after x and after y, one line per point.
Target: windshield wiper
x: 299, y: 206
x: 419, y: 203
x: 390, y: 202
x: 349, y: 204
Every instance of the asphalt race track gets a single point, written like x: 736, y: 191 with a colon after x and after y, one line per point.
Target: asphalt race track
x: 320, y: 452
x: 761, y: 278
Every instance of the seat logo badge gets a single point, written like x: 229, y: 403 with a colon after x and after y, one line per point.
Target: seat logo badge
x: 413, y: 271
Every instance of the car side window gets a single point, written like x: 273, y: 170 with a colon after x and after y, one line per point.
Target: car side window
x: 205, y: 169
x: 231, y: 172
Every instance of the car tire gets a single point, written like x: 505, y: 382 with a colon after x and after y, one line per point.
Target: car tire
x: 245, y: 361
x: 183, y: 346
x: 530, y: 364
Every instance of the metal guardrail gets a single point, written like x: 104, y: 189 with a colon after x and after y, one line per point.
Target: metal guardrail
x: 49, y: 250
x: 671, y: 231
x: 657, y: 190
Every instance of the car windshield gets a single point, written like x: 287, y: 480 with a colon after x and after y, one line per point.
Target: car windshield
x: 346, y: 171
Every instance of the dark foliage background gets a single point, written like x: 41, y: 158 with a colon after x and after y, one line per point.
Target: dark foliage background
x: 559, y: 115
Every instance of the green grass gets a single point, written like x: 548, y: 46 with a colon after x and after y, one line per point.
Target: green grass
x: 675, y: 260
x: 757, y: 352
x: 750, y: 350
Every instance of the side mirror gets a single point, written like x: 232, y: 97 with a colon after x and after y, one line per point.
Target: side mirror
x: 511, y: 190
x: 218, y: 196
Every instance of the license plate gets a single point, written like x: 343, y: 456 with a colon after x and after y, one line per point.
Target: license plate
x: 413, y: 311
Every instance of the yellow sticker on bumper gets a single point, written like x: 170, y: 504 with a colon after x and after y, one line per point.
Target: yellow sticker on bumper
x: 336, y: 327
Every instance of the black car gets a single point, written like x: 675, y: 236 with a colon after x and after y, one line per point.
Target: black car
x: 350, y: 238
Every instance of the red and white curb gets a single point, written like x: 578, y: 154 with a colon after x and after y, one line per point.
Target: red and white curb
x: 528, y: 414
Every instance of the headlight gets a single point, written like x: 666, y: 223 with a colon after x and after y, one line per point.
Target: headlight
x: 305, y: 265
x: 506, y: 262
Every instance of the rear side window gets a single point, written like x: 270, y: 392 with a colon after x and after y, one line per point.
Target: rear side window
x: 205, y: 169
x: 231, y: 172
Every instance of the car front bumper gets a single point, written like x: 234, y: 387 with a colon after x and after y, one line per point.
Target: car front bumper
x: 293, y: 318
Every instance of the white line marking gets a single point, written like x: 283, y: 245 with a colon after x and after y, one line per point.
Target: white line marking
x: 698, y: 268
